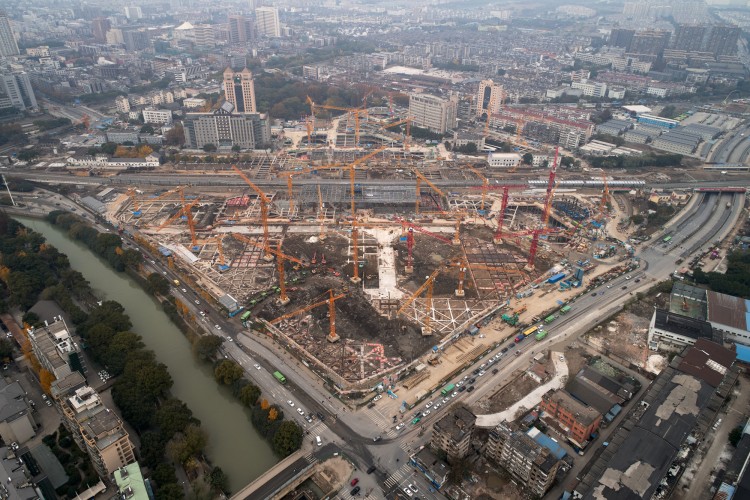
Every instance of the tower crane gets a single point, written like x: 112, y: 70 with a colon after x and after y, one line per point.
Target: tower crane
x: 407, y: 137
x: 352, y: 172
x: 604, y: 200
x: 535, y: 234
x: 464, y: 266
x: 332, y: 336
x: 186, y: 212
x: 222, y: 266
x: 357, y: 113
x: 134, y: 200
x: 281, y: 257
x: 485, y: 185
x: 550, y: 189
x: 505, y: 188
x: 421, y: 178
x: 427, y: 285
x: 264, y: 202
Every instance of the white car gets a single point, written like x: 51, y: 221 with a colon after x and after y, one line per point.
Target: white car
x: 400, y: 426
x: 290, y: 403
x: 217, y: 327
x: 438, y: 406
x: 445, y: 400
x: 428, y: 405
x: 377, y: 398
x: 408, y: 492
x: 299, y: 410
x: 427, y: 412
x: 230, y: 339
x: 257, y: 366
x: 184, y: 290
x: 413, y: 488
x: 609, y: 286
x: 197, y: 302
x: 628, y: 277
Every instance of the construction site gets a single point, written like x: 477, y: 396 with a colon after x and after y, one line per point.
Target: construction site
x: 364, y: 278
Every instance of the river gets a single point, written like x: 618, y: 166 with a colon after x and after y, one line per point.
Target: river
x: 234, y: 445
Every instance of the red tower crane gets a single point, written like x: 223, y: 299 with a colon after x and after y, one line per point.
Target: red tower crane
x: 550, y: 186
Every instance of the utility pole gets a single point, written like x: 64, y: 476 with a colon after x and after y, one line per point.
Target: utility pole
x: 8, y: 189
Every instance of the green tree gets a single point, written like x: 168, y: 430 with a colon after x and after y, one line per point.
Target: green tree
x: 236, y: 148
x: 28, y: 154
x: 158, y: 284
x: 118, y: 350
x: 164, y: 474
x: 152, y: 448
x: 287, y: 439
x: 735, y: 435
x: 185, y: 445
x: 147, y: 129
x: 207, y: 346
x: 227, y: 372
x: 171, y: 491
x: 527, y: 158
x: 6, y: 349
x: 249, y: 395
x: 209, y: 148
x: 637, y: 219
x: 668, y: 111
x: 218, y: 480
x: 173, y: 416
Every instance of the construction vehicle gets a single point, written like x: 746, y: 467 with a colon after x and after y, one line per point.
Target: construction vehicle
x: 332, y: 336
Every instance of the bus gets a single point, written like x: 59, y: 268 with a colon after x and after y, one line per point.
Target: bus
x: 667, y: 239
x: 245, y: 315
x: 530, y: 331
x: 447, y: 389
x: 278, y: 376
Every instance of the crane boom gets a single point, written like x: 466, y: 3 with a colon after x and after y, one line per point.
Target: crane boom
x: 423, y: 230
x: 264, y: 202
x: 421, y: 178
x: 332, y: 337
x: 419, y: 291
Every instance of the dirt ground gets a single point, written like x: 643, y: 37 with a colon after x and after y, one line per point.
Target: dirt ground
x: 493, y: 485
x: 625, y: 336
x: 510, y: 394
x: 332, y: 474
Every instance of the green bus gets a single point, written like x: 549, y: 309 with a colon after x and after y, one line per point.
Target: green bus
x: 448, y: 389
x: 278, y: 376
x: 245, y: 315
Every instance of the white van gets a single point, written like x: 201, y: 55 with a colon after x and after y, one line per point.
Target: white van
x: 317, y: 438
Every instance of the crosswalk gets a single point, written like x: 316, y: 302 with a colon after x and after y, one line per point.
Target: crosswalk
x: 310, y: 458
x: 397, y: 476
x: 318, y: 428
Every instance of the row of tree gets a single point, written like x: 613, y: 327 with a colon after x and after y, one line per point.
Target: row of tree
x: 285, y: 436
x: 736, y: 280
x: 644, y: 160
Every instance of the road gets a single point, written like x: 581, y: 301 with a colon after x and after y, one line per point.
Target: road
x: 353, y: 432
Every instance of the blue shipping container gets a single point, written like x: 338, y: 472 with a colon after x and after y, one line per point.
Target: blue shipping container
x: 556, y: 278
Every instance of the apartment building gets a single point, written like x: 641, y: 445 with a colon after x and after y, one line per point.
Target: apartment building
x: 504, y: 160
x: 239, y: 89
x: 452, y: 433
x: 489, y: 97
x: 95, y: 428
x: 575, y: 419
x: 267, y: 22
x: 432, y: 112
x: 591, y: 89
x: 122, y: 104
x: 16, y: 91
x: 532, y: 464
x: 158, y: 116
x: 55, y: 348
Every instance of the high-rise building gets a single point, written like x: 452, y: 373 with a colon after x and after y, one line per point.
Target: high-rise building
x: 722, y: 40
x: 133, y: 12
x: 203, y: 35
x: 267, y: 21
x: 135, y: 40
x: 489, y: 97
x: 649, y: 42
x: 122, y: 104
x: 452, y: 434
x: 240, y: 30
x: 621, y: 37
x: 225, y: 128
x: 99, y: 28
x: 689, y: 37
x: 114, y: 37
x: 433, y: 113
x: 16, y: 91
x: 8, y: 45
x: 239, y: 89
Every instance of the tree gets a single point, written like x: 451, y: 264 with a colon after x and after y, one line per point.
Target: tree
x: 735, y: 435
x: 249, y: 395
x: 209, y: 148
x: 28, y: 154
x: 527, y: 158
x: 207, y: 346
x: 287, y: 439
x: 637, y: 219
x: 669, y: 111
x: 6, y: 349
x: 173, y: 416
x: 227, y: 371
x: 147, y: 129
x: 164, y: 474
x: 185, y: 445
x: 218, y: 480
x: 118, y: 350
x: 236, y: 148
x: 172, y: 491
x: 152, y: 448
x: 175, y: 136
x: 158, y: 284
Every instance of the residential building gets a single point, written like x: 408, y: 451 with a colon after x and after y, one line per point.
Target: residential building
x: 41, y: 51
x: 311, y: 72
x: 122, y: 104
x: 452, y: 433
x: 433, y: 113
x: 17, y: 479
x: 575, y: 419
x: 240, y: 30
x: 133, y: 12
x: 239, y: 89
x: 8, y: 45
x: 203, y: 36
x: 532, y: 464
x: 489, y: 97
x: 135, y: 40
x: 504, y: 160
x: 16, y: 421
x: 616, y: 93
x: 225, y: 128
x: 55, y: 348
x: 646, y: 454
x: 160, y: 116
x: 649, y: 43
x: 592, y: 89
x: 97, y: 430
x: 433, y: 468
x: 193, y: 102
x: 16, y: 91
x: 99, y: 28
x: 267, y: 22
x: 621, y: 37
x: 130, y: 483
x: 722, y: 40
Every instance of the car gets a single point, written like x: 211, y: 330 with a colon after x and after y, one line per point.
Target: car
x: 14, y: 445
x: 593, y: 294
x: 518, y: 353
x: 416, y: 421
x: 44, y: 396
x: 408, y: 492
x: 377, y: 398
x: 438, y: 405
x: 164, y: 273
x: 230, y: 339
x: 197, y: 302
x: 609, y: 286
x: 218, y: 327
x: 354, y: 482
x: 462, y: 389
x: 318, y: 440
x: 495, y: 371
x: 504, y: 350
x: 470, y: 389
x: 476, y: 371
x: 321, y: 417
x: 445, y: 400
x: 400, y: 426
x: 183, y: 290
x: 413, y: 488
x: 300, y: 411
x: 624, y: 288
x: 290, y: 403
x: 153, y: 261
x: 48, y: 402
x: 376, y: 439
x: 628, y: 277
x: 428, y: 405
x: 427, y: 412
x: 472, y: 380
x: 638, y: 280
x: 562, y: 358
x: 459, y: 383
x: 257, y: 366
x: 455, y: 393
x: 308, y: 418
x: 372, y: 469
x: 202, y: 313
x: 481, y: 367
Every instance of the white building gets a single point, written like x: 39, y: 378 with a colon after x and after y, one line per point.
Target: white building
x: 122, y: 104
x: 193, y: 102
x: 504, y: 160
x: 8, y: 45
x: 672, y: 331
x: 160, y: 116
x: 432, y: 112
x: 41, y: 51
x: 267, y: 21
x: 589, y: 88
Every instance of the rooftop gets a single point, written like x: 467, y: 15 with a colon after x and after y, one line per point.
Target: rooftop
x: 130, y: 483
x: 707, y: 361
x: 683, y: 325
x: 728, y: 310
x: 583, y: 414
x: 459, y: 423
x: 12, y: 403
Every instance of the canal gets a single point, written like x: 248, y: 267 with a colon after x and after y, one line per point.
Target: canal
x: 233, y: 445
